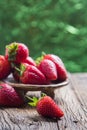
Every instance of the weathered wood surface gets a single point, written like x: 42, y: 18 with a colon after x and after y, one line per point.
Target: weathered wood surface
x: 71, y: 98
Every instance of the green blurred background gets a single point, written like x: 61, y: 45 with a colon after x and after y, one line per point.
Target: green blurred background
x: 52, y: 26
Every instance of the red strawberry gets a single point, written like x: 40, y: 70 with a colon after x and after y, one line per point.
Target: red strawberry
x: 16, y: 52
x: 61, y: 70
x: 48, y: 68
x: 5, y: 67
x: 46, y: 107
x: 29, y: 61
x: 31, y: 75
x: 9, y: 97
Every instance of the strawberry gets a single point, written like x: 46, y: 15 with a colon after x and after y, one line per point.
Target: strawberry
x: 9, y: 97
x: 48, y: 68
x: 16, y: 52
x: 29, y: 61
x: 46, y: 107
x: 31, y: 75
x: 5, y: 67
x: 61, y: 70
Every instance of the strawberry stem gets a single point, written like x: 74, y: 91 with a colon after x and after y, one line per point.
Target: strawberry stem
x: 39, y: 59
x: 22, y: 69
x: 18, y: 70
x: 43, y: 53
x: 33, y: 102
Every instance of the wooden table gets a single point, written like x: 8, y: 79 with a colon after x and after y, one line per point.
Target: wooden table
x: 72, y: 98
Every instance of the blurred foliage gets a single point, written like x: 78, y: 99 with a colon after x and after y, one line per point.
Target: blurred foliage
x: 52, y: 26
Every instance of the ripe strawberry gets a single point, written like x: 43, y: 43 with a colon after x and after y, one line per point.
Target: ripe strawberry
x: 29, y: 61
x: 31, y: 75
x: 48, y: 68
x: 47, y: 107
x: 5, y: 67
x: 16, y: 52
x: 61, y: 70
x: 9, y: 97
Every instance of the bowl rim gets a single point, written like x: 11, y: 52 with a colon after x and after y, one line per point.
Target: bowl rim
x: 32, y: 87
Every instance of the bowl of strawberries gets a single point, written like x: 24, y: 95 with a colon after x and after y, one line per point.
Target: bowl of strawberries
x: 44, y: 74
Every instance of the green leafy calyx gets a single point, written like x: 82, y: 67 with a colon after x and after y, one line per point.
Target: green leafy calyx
x: 22, y: 69
x: 39, y: 59
x: 33, y: 101
x: 12, y: 50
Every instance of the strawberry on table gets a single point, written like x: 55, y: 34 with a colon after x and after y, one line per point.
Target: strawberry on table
x: 16, y: 52
x: 31, y: 75
x: 9, y: 97
x: 5, y: 67
x: 46, y: 107
x: 48, y: 68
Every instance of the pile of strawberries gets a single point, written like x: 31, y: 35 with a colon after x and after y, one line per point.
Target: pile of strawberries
x: 47, y: 69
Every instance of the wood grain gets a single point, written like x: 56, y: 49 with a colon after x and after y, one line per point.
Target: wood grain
x: 71, y: 98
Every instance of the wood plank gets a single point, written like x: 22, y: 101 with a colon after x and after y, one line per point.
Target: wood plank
x: 24, y: 119
x: 71, y: 98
